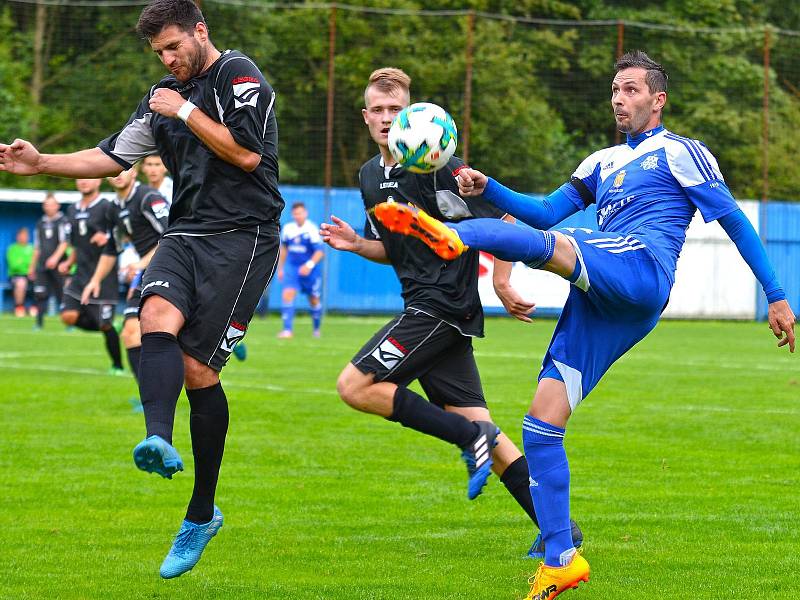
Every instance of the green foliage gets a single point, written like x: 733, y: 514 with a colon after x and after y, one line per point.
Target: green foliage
x: 540, y: 92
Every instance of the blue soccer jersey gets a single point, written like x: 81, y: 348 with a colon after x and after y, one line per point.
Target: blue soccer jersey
x: 650, y: 188
x: 301, y: 242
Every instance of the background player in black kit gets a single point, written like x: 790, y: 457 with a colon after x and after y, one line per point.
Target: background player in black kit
x: 213, y: 124
x: 431, y: 340
x: 141, y: 217
x: 89, y: 222
x: 49, y: 245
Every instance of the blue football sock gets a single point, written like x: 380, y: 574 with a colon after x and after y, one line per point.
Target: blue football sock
x: 549, y: 484
x: 507, y: 241
x: 316, y: 316
x: 287, y: 314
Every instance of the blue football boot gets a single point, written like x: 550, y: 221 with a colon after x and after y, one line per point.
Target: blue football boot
x: 188, y: 546
x: 537, y: 548
x: 240, y: 351
x: 155, y: 455
x: 478, y: 457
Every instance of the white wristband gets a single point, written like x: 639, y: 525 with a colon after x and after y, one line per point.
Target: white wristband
x: 185, y: 109
x: 310, y: 264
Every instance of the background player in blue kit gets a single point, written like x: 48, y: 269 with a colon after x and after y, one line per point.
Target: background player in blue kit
x: 646, y: 191
x: 298, y: 268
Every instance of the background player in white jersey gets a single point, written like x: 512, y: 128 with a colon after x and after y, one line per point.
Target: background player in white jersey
x: 156, y: 175
x: 299, y: 269
x: 647, y: 191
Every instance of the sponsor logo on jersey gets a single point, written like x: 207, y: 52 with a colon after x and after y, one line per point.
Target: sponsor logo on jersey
x: 608, y: 165
x: 233, y: 336
x: 651, y: 162
x: 610, y: 209
x: 389, y: 353
x: 387, y: 184
x: 159, y: 283
x: 245, y: 91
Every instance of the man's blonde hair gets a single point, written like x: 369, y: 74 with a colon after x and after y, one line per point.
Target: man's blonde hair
x: 389, y: 80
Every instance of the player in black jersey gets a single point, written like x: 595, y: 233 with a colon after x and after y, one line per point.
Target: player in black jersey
x: 89, y: 222
x: 431, y: 340
x: 49, y: 245
x: 141, y: 217
x: 213, y: 123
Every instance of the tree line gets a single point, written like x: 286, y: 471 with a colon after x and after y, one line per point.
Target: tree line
x: 540, y: 78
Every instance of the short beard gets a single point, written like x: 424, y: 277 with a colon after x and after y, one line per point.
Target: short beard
x: 632, y: 127
x: 199, y: 60
x: 196, y: 62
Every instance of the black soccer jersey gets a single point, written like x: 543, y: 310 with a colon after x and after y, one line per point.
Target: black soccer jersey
x: 445, y: 289
x: 49, y: 234
x: 142, y: 218
x: 83, y: 223
x: 211, y: 195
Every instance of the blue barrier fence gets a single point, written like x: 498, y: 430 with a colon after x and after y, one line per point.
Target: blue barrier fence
x: 356, y: 285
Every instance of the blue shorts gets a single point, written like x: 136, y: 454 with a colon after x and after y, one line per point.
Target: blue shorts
x: 310, y: 285
x: 616, y: 301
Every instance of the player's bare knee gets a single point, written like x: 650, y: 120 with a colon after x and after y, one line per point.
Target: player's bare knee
x: 352, y: 387
x: 69, y: 317
x: 198, y: 375
x: 564, y: 257
x: 130, y: 333
x: 158, y: 314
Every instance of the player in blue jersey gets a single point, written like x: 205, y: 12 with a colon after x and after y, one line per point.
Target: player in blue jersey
x: 298, y: 268
x: 646, y: 191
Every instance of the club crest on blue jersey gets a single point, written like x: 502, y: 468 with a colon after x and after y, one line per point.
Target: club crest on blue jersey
x: 651, y: 162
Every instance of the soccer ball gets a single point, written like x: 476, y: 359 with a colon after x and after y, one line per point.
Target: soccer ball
x: 423, y: 137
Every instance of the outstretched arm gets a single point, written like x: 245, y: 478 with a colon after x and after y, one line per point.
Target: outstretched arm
x: 541, y: 214
x: 780, y: 316
x: 340, y: 235
x: 22, y: 158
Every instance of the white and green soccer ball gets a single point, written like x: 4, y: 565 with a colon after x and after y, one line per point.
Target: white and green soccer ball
x: 423, y: 137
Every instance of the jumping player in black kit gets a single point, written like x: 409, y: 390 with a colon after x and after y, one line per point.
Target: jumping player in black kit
x: 89, y: 222
x: 49, y: 245
x: 213, y: 123
x: 431, y: 340
x: 141, y: 217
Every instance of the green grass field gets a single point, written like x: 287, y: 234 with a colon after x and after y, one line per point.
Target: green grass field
x: 684, y: 475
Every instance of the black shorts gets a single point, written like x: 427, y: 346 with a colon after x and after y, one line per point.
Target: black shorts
x: 415, y: 345
x: 101, y: 311
x: 215, y: 281
x: 49, y: 282
x: 132, y: 303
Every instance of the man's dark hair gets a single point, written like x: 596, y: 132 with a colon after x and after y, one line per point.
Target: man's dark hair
x: 656, y: 77
x: 159, y: 14
x: 298, y: 205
